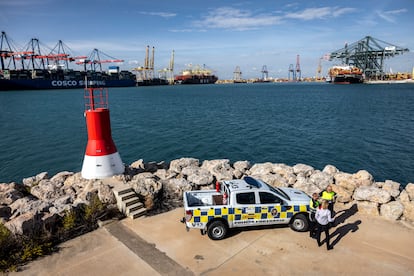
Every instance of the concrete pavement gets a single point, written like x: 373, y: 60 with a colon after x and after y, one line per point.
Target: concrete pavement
x: 160, y: 245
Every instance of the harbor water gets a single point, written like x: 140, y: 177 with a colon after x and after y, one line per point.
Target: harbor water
x: 352, y: 127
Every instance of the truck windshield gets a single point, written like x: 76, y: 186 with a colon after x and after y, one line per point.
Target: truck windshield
x: 278, y: 191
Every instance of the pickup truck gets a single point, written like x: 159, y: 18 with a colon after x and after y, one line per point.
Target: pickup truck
x: 244, y: 202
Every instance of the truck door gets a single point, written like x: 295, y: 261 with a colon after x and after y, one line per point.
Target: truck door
x: 244, y: 209
x: 272, y: 210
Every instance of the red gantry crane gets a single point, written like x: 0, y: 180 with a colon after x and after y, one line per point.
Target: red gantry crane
x: 95, y: 61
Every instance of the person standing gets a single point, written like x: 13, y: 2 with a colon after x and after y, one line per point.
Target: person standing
x: 330, y: 196
x: 323, y: 218
x: 313, y: 204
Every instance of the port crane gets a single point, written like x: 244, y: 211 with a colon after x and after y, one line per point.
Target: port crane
x: 32, y: 56
x: 95, y: 61
x: 265, y: 73
x: 237, y: 74
x: 168, y: 73
x: 146, y: 72
x: 368, y: 54
x: 319, y: 70
x: 292, y: 73
x: 61, y: 53
x: 297, y: 69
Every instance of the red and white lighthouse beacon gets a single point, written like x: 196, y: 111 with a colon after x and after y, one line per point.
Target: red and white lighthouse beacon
x: 101, y: 157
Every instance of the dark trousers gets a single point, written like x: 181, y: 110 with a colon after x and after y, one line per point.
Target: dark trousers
x: 312, y: 224
x: 322, y: 228
x: 331, y: 207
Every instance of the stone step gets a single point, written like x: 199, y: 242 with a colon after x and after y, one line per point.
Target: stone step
x: 127, y: 196
x: 130, y: 201
x: 138, y: 213
x: 134, y: 207
x: 123, y: 190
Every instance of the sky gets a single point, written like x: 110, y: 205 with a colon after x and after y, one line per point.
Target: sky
x: 217, y: 34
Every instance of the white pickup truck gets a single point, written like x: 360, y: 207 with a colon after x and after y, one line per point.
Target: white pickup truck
x: 244, y: 202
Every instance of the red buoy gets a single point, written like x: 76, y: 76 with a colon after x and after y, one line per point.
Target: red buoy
x: 101, y: 157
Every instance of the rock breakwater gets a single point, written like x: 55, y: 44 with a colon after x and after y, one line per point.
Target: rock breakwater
x: 41, y: 201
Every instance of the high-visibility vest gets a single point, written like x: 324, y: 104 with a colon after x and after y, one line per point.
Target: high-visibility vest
x: 328, y: 195
x: 313, y: 204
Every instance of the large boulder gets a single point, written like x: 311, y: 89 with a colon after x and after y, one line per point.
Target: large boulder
x: 343, y: 195
x: 303, y: 169
x: 198, y: 176
x: 26, y: 224
x: 392, y: 187
x: 34, y: 180
x: 27, y: 205
x: 77, y: 182
x: 10, y: 192
x: 47, y: 190
x: 221, y: 168
x: 363, y: 178
x: 368, y: 208
x: 274, y: 180
x: 404, y: 197
x: 410, y: 190
x: 240, y: 168
x: 392, y: 210
x: 346, y: 180
x: 321, y: 179
x: 61, y: 176
x: 283, y: 169
x: 304, y: 184
x: 373, y: 194
x: 261, y: 169
x: 165, y: 174
x: 147, y: 186
x: 139, y: 164
x: 175, y: 187
x: 330, y: 169
x: 408, y: 213
x: 105, y: 194
x: 178, y: 164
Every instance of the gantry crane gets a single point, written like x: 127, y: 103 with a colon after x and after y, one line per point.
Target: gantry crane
x: 146, y: 72
x: 368, y: 54
x: 265, y: 73
x: 319, y: 70
x: 292, y: 73
x: 237, y: 74
x: 297, y: 69
x: 168, y: 73
x: 95, y: 61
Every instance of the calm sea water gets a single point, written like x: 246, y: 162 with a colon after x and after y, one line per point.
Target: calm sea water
x: 352, y: 127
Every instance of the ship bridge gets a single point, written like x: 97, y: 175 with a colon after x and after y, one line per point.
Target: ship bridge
x: 368, y: 54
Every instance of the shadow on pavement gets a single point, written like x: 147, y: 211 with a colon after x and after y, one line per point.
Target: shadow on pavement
x: 342, y: 231
x: 345, y: 214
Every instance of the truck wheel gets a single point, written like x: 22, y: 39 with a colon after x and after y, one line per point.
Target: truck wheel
x: 299, y: 223
x: 217, y: 230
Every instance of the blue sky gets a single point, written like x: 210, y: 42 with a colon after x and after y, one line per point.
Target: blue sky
x: 219, y: 34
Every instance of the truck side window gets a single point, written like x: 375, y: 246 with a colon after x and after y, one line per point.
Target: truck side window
x: 245, y: 198
x: 266, y: 198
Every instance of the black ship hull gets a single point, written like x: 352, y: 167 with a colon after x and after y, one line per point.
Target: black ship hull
x: 152, y: 82
x: 62, y: 79
x: 197, y: 80
x: 42, y: 84
x: 348, y: 79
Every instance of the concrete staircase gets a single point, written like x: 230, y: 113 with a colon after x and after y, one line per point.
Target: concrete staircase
x: 128, y: 202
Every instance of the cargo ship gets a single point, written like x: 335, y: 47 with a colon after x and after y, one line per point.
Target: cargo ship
x: 62, y: 79
x: 196, y: 75
x: 345, y: 74
x: 29, y: 69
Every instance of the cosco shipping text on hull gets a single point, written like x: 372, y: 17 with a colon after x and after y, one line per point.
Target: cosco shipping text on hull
x: 31, y: 84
